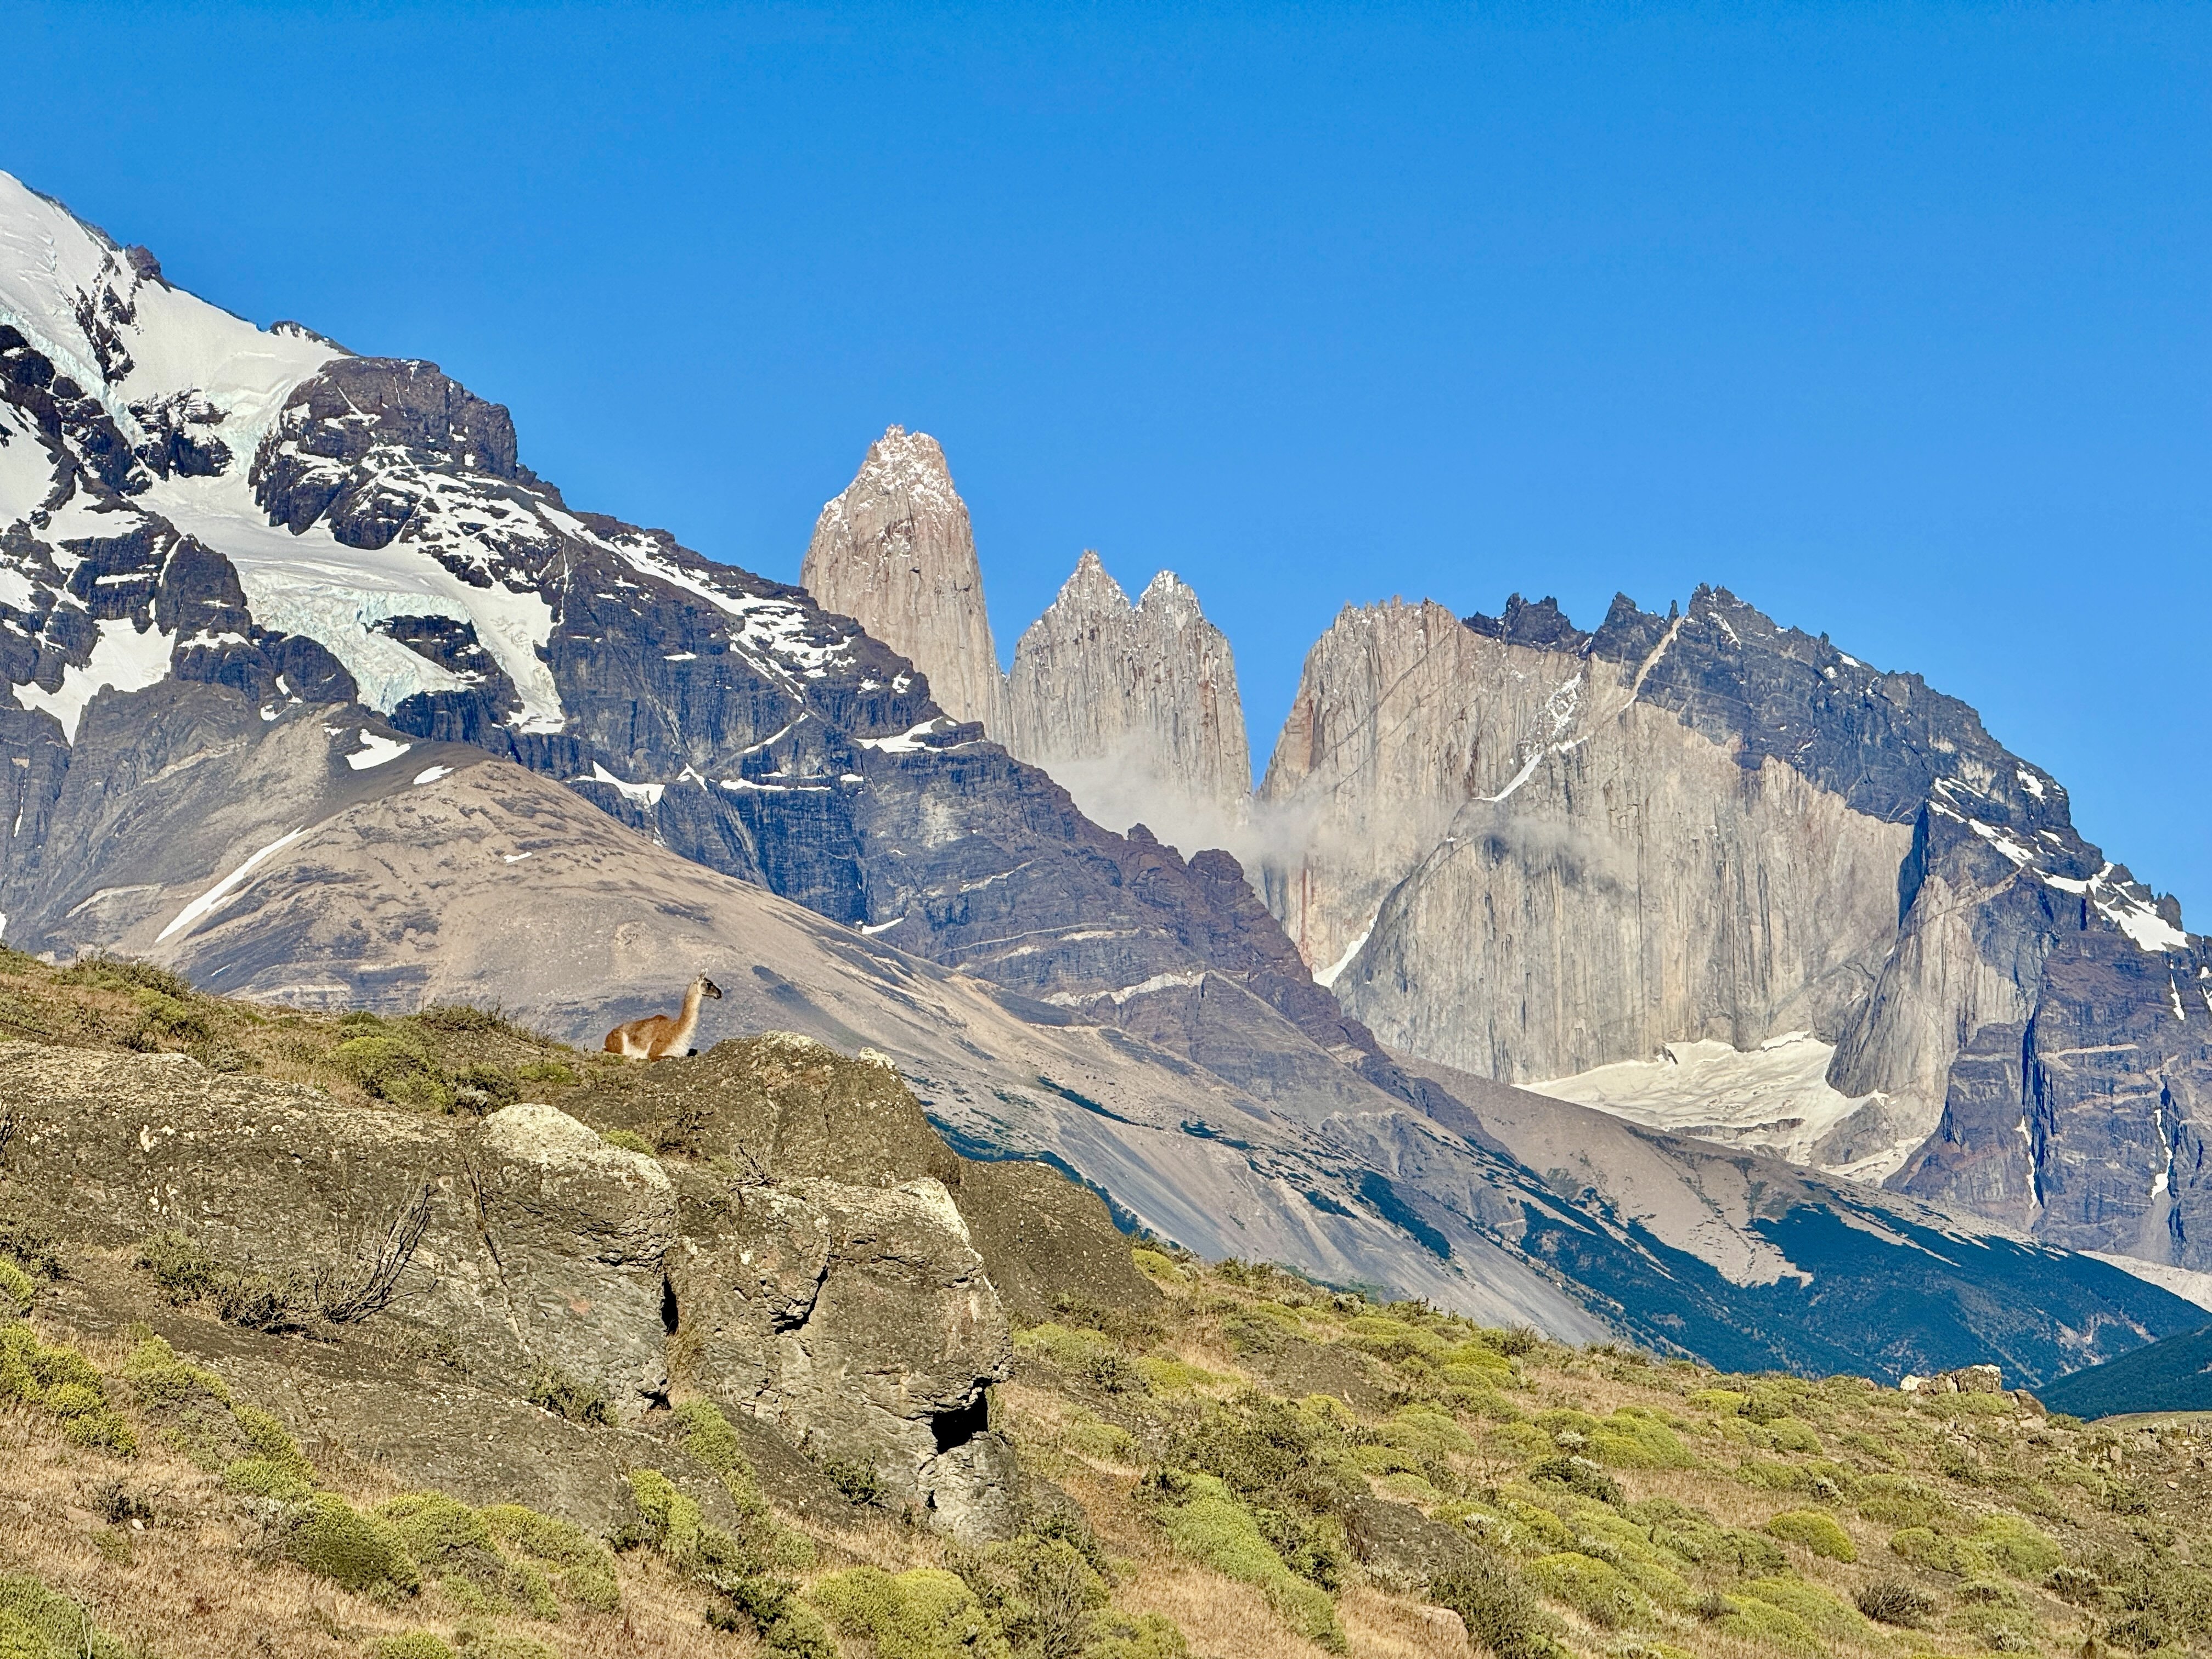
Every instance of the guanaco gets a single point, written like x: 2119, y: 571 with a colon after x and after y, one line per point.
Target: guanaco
x: 657, y: 1037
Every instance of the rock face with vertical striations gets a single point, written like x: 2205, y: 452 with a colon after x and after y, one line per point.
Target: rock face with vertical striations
x: 897, y: 553
x: 1528, y: 851
x: 1133, y: 709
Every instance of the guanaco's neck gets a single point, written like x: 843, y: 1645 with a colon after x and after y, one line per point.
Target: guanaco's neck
x: 690, y: 1020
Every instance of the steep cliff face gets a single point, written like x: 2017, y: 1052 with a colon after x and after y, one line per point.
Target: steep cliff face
x: 1531, y: 852
x: 1133, y: 709
x: 897, y: 553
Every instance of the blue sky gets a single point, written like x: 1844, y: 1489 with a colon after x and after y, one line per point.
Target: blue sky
x: 1892, y: 320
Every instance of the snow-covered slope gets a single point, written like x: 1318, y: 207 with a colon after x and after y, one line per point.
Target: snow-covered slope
x: 1775, y: 1098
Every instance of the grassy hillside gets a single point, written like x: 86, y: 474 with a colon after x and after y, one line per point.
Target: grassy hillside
x: 1258, y: 1467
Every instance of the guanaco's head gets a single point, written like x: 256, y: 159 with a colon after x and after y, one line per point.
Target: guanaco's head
x: 708, y: 988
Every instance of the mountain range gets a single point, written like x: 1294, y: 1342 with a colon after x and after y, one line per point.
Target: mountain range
x: 318, y: 694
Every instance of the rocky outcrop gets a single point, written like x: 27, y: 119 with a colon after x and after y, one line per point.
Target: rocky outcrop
x: 1526, y: 850
x: 855, y: 1319
x: 895, y: 553
x: 1507, y: 862
x: 1133, y: 709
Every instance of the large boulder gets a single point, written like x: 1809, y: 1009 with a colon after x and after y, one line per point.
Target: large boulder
x: 807, y: 1264
x: 858, y: 1320
x: 580, y: 1232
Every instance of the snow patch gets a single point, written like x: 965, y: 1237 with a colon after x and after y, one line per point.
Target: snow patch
x: 645, y: 795
x: 432, y: 774
x: 222, y: 891
x: 1776, y: 1098
x: 1330, y: 974
x: 314, y: 585
x: 375, y: 751
x: 123, y: 659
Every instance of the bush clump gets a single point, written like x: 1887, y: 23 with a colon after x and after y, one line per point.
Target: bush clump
x: 1204, y: 1521
x: 61, y: 1381
x: 2019, y: 1548
x: 749, y: 1593
x: 1892, y: 1602
x: 1498, y: 1610
x: 1817, y: 1531
x: 1597, y: 1589
x: 394, y: 1067
x: 926, y: 1613
x: 414, y: 1645
x: 35, y: 1623
x: 553, y: 1389
x: 328, y: 1537
x: 581, y: 1568
x: 1580, y: 1476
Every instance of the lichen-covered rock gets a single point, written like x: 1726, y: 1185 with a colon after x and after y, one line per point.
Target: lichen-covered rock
x: 858, y: 1320
x: 581, y: 1232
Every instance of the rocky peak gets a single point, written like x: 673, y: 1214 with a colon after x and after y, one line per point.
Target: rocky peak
x: 895, y: 552
x: 1134, y: 709
x: 1542, y: 624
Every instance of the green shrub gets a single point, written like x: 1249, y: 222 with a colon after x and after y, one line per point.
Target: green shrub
x: 1897, y: 1500
x: 667, y: 1520
x: 1495, y: 1606
x: 926, y: 1613
x: 496, y: 1646
x: 259, y: 1477
x: 32, y: 1249
x: 1207, y: 1523
x: 447, y: 1540
x: 381, y: 1061
x: 582, y: 1568
x: 2017, y: 1547
x: 1150, y: 1636
x: 553, y: 1389
x: 187, y: 1273
x: 1892, y: 1602
x: 708, y: 1436
x: 1157, y: 1267
x: 1579, y: 1475
x: 16, y: 1290
x: 328, y: 1536
x: 1634, y: 1439
x: 35, y: 1623
x: 1044, y: 1594
x: 1748, y: 1618
x: 159, y: 1378
x: 415, y: 1644
x: 1593, y: 1588
x: 1817, y: 1531
x: 267, y: 1439
x: 1825, y: 1615
x: 1789, y: 1434
x: 64, y: 1383
x: 628, y: 1140
x: 1937, y: 1552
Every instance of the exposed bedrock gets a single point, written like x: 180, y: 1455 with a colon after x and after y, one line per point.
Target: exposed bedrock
x: 854, y: 1318
x: 1134, y: 709
x: 895, y: 552
x: 1519, y: 870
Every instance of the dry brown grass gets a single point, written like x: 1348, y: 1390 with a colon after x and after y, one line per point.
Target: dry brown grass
x: 123, y: 1007
x: 191, y: 1584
